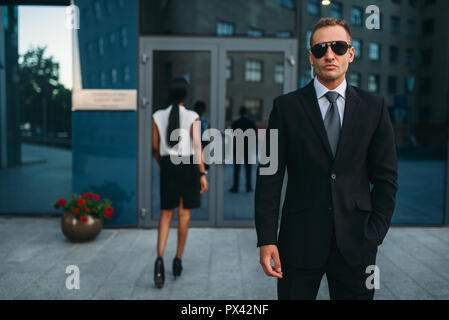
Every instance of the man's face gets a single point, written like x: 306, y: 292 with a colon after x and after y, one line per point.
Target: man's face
x: 331, y: 66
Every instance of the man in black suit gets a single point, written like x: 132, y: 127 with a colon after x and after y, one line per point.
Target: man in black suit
x: 244, y: 123
x: 334, y: 140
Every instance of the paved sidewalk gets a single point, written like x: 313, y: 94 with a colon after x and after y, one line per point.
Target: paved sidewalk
x: 218, y: 264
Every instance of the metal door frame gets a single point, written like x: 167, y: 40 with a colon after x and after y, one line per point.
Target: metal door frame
x: 218, y: 47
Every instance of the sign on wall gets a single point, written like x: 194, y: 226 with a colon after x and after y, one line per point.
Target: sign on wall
x: 104, y: 99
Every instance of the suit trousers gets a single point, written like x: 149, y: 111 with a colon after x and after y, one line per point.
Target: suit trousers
x: 346, y: 282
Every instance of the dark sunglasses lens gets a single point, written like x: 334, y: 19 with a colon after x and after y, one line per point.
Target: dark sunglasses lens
x: 339, y: 47
x: 319, y: 50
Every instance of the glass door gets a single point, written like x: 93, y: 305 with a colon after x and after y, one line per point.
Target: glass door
x: 226, y: 76
x: 163, y: 59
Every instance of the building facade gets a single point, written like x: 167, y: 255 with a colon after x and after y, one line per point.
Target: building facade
x: 245, y: 53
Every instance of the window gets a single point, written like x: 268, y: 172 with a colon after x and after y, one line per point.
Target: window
x: 124, y: 36
x: 374, y: 51
x: 283, y: 34
x: 336, y: 10
x: 392, y: 84
x: 225, y: 28
x: 356, y: 16
x: 409, y: 84
x: 103, y: 79
x: 309, y: 34
x: 410, y: 57
x: 109, y: 7
x: 426, y: 85
x: 97, y: 10
x: 279, y: 73
x: 411, y: 27
x: 354, y: 79
x: 373, y: 83
x: 428, y: 27
x: 254, y: 107
x: 112, y: 38
x: 287, y: 4
x: 100, y: 46
x: 394, y: 54
x: 126, y: 74
x: 114, y: 75
x: 253, y: 71
x: 357, y: 48
x: 427, y: 57
x: 395, y: 24
x: 228, y: 68
x: 424, y: 114
x: 313, y: 7
x: 254, y: 32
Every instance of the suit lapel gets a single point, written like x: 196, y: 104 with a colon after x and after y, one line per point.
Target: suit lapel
x: 310, y: 103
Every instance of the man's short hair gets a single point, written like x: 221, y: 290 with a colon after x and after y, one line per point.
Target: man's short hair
x: 329, y: 22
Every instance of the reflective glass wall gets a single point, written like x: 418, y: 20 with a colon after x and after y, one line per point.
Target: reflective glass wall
x: 35, y: 109
x: 400, y: 62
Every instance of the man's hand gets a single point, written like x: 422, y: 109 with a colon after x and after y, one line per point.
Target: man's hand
x: 267, y: 253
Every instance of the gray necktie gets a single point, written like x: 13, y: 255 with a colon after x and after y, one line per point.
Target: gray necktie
x: 332, y: 121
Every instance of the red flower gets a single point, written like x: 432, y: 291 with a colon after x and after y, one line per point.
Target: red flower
x: 62, y: 202
x: 76, y: 210
x: 91, y: 195
x: 97, y: 197
x: 85, y: 195
x: 108, y: 212
x: 83, y: 219
x: 81, y: 202
x: 87, y: 209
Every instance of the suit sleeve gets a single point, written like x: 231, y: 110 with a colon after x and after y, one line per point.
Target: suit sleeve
x: 268, y: 187
x: 382, y: 172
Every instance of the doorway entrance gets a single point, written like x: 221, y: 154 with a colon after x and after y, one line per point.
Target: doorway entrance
x: 225, y: 74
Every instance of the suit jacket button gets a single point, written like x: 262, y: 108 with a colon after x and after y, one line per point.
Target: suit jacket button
x: 330, y: 208
x: 333, y: 176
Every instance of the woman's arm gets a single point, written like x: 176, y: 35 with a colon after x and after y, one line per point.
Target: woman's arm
x: 195, y: 132
x: 156, y: 142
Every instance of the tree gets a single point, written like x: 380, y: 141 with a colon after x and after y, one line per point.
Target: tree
x: 45, y: 102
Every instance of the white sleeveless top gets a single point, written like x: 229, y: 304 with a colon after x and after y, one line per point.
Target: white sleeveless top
x: 186, y: 119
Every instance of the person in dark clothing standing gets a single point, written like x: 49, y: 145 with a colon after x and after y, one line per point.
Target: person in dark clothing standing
x: 244, y: 123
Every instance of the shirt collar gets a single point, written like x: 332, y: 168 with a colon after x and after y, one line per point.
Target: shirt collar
x: 321, y: 90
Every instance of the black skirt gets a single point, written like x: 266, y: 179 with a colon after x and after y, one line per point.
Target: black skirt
x: 179, y: 180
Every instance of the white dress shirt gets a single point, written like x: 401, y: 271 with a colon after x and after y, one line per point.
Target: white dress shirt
x: 324, y: 104
x: 186, y: 119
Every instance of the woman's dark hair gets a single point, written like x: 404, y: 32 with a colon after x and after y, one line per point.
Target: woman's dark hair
x: 177, y: 93
x: 199, y: 107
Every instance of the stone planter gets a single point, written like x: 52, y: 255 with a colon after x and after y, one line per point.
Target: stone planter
x: 76, y: 231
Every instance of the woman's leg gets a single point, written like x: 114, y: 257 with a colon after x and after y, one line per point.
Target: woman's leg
x: 183, y: 227
x: 163, y: 229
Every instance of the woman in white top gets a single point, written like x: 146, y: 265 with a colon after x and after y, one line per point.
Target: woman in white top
x: 180, y: 184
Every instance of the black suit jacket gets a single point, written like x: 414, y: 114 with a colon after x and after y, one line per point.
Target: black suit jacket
x: 323, y: 192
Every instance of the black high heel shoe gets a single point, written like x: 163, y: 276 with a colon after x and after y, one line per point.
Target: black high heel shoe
x: 159, y: 273
x: 177, y: 267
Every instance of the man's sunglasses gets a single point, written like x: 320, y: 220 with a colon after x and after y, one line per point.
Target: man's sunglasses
x: 339, y: 47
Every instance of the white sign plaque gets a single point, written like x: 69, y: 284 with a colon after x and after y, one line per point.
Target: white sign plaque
x: 104, y: 99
